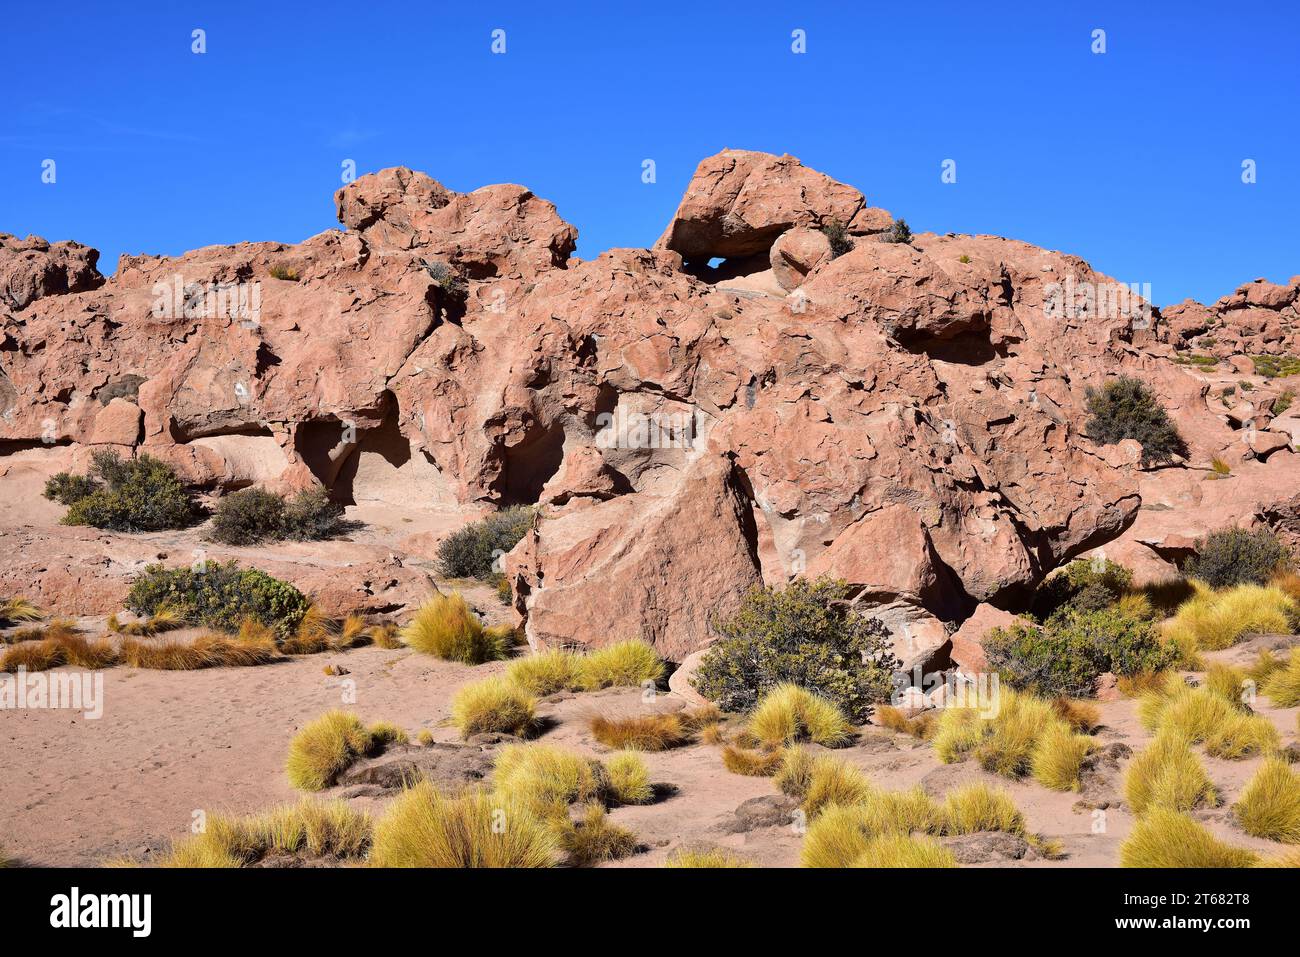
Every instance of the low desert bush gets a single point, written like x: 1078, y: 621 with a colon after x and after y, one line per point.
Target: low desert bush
x: 473, y: 551
x: 714, y: 857
x: 1269, y: 805
x: 327, y: 746
x: 68, y: 489
x: 1235, y: 556
x: 1083, y: 585
x: 220, y: 596
x: 1125, y: 408
x: 837, y: 235
x: 493, y: 704
x: 897, y: 232
x: 898, y: 850
x: 446, y: 628
x: 1212, y: 620
x: 806, y: 635
x: 628, y: 779
x: 1282, y: 683
x: 137, y: 495
x: 317, y: 829
x: 1164, y: 838
x: 1168, y: 775
x: 593, y: 839
x: 1065, y: 656
x: 546, y: 779
x: 255, y: 515
x: 423, y: 828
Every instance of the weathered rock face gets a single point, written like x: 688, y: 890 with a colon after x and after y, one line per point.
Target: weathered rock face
x: 31, y: 268
x: 907, y: 417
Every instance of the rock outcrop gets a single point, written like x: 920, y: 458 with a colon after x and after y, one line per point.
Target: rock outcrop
x: 907, y: 417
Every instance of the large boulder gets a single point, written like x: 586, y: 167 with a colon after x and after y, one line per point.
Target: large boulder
x: 32, y: 268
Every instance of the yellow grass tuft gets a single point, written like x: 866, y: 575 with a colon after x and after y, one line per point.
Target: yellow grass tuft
x: 648, y: 732
x: 789, y: 714
x: 320, y: 829
x: 1082, y: 716
x: 624, y: 664
x: 1211, y: 620
x: 1165, y: 838
x: 546, y: 779
x: 832, y: 781
x: 1135, y: 685
x: 922, y: 726
x: 714, y: 857
x: 978, y: 807
x: 63, y: 649
x: 628, y: 779
x: 899, y: 850
x: 1058, y: 754
x: 423, y: 828
x: 386, y: 635
x: 1227, y: 682
x: 1269, y: 806
x: 205, y: 651
x: 493, y: 704
x: 13, y: 610
x: 1283, y: 685
x: 446, y: 628
x: 546, y: 672
x: 326, y: 747
x: 754, y: 763
x: 1242, y: 736
x: 594, y: 840
x: 1167, y: 775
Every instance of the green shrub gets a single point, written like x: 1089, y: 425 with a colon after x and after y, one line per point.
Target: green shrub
x: 472, y: 551
x: 219, y: 596
x: 1270, y: 367
x: 139, y: 495
x: 803, y: 635
x: 898, y: 232
x: 1283, y: 402
x: 1234, y: 556
x: 1065, y: 656
x: 837, y: 235
x: 1124, y: 408
x: 67, y: 489
x: 1082, y: 585
x: 254, y: 515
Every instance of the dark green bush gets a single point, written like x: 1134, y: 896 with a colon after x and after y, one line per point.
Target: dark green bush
x: 219, y: 596
x: 805, y: 634
x: 1124, y: 408
x: 1082, y: 585
x: 837, y: 234
x: 1066, y: 656
x: 1234, y: 556
x: 472, y: 551
x: 66, y: 488
x: 898, y: 232
x: 138, y: 495
x: 254, y: 515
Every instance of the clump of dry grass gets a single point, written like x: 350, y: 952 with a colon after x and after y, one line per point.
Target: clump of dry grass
x: 1057, y: 757
x: 1269, y: 805
x: 1227, y: 682
x: 1211, y: 619
x: 1282, y: 685
x: 624, y: 664
x: 820, y: 780
x: 900, y: 850
x: 1082, y: 716
x: 326, y: 747
x: 628, y: 779
x: 493, y: 704
x: 1242, y: 736
x: 1006, y: 738
x: 713, y: 857
x: 446, y: 628
x: 546, y: 672
x: 594, y: 839
x: 63, y: 649
x: 1195, y: 714
x: 18, y: 609
x: 751, y: 762
x: 789, y: 714
x: 423, y: 828
x: 978, y: 807
x: 386, y: 635
x: 922, y: 726
x: 1168, y: 775
x: 206, y: 651
x: 648, y: 732
x: 319, y: 829
x: 1135, y: 685
x: 1165, y: 838
x: 546, y: 779
x: 162, y: 620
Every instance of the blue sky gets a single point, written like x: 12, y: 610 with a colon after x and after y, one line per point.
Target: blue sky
x: 1130, y: 159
